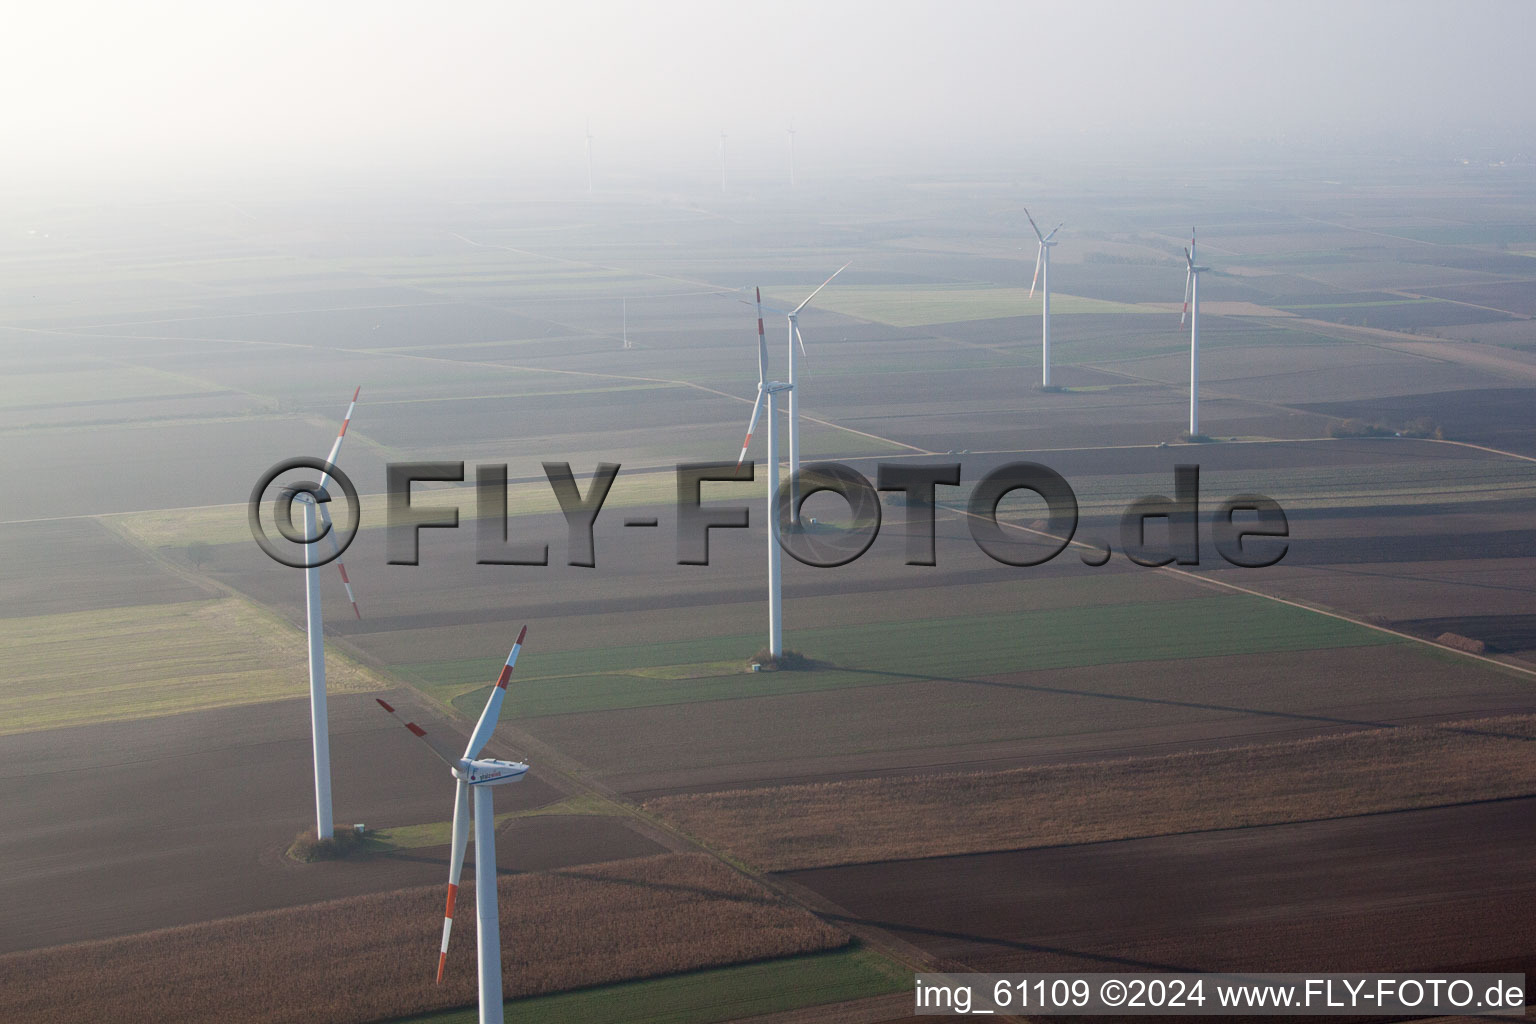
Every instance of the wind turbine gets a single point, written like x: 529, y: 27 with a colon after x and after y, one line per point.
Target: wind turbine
x: 319, y: 725
x: 766, y: 390
x: 472, y: 772
x: 1192, y: 311
x: 589, y: 156
x: 1043, y: 262
x: 795, y: 339
x: 624, y: 314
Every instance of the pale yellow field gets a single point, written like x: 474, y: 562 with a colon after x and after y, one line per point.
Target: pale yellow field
x: 143, y: 661
x: 226, y: 524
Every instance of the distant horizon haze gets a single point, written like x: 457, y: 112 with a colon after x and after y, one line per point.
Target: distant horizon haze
x: 177, y: 91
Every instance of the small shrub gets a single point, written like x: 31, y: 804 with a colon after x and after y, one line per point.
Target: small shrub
x: 1423, y: 427
x: 1462, y: 643
x: 1359, y: 428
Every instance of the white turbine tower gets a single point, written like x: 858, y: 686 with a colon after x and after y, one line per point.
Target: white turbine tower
x: 472, y: 772
x: 796, y: 341
x: 766, y: 390
x: 1043, y: 263
x: 624, y: 319
x: 1192, y: 311
x: 589, y: 157
x: 316, y: 515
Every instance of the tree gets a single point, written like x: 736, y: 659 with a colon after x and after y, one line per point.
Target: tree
x: 198, y: 552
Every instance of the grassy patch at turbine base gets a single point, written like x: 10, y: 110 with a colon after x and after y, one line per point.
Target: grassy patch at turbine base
x: 308, y: 848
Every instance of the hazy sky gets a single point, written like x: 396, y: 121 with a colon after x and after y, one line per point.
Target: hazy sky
x: 118, y: 88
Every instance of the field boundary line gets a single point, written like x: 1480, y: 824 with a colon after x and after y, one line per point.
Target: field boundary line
x: 1197, y: 578
x: 519, y: 368
x: 1520, y: 669
x: 365, y: 666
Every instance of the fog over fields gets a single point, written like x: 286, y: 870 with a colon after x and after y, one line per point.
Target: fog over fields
x: 1074, y: 739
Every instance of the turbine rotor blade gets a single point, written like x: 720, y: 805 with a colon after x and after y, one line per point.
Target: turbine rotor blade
x: 1033, y: 224
x: 1055, y: 229
x: 800, y: 338
x: 1039, y: 256
x: 823, y: 284
x: 455, y: 867
x: 762, y: 356
x: 444, y: 755
x: 1189, y: 279
x: 487, y: 724
x: 325, y: 517
x: 340, y: 435
x: 757, y: 407
x: 324, y: 512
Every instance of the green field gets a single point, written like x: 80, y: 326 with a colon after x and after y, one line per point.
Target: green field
x: 440, y: 833
x: 894, y: 652
x: 727, y: 993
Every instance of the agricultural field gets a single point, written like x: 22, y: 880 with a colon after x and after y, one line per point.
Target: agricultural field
x: 1208, y: 901
x: 1370, y: 771
x: 979, y: 765
x: 144, y: 661
x: 696, y: 912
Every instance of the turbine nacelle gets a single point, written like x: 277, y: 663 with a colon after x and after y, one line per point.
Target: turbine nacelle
x: 488, y: 771
x: 307, y: 493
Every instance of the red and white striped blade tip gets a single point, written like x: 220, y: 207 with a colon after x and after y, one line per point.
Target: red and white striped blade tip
x: 506, y: 669
x: 442, y: 953
x: 416, y: 730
